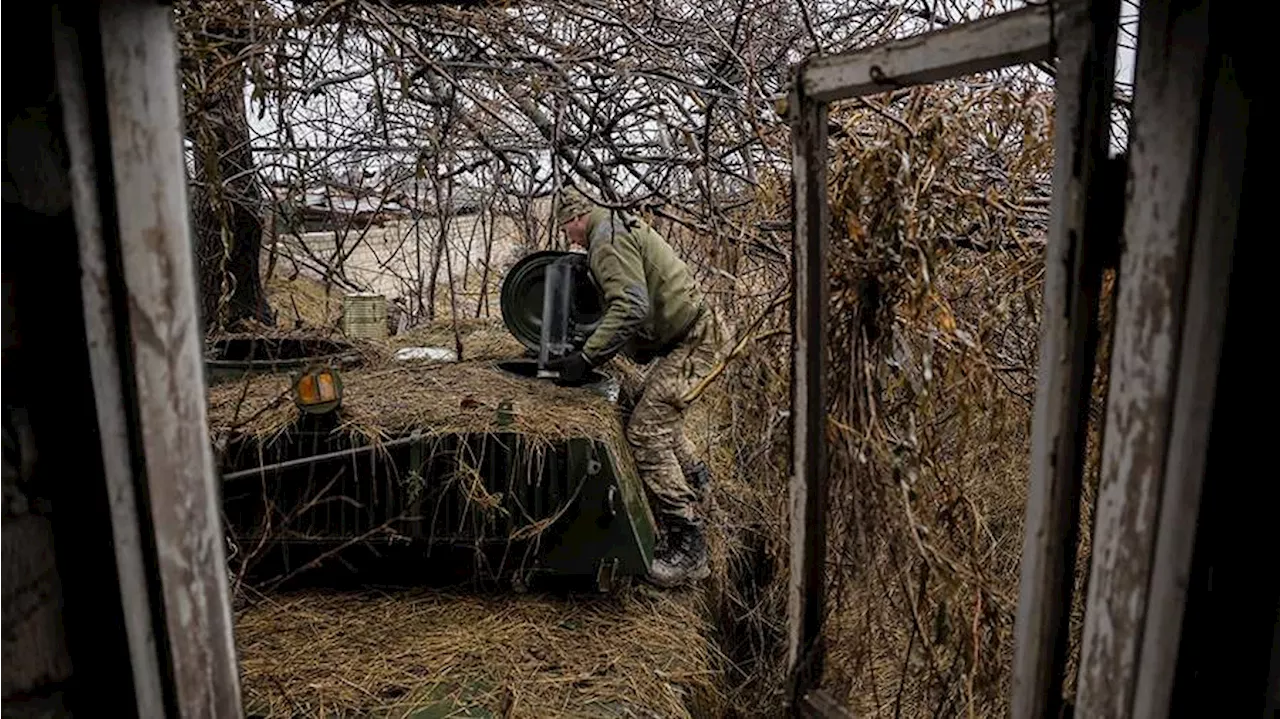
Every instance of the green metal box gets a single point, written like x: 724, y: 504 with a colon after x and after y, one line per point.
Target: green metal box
x: 517, y: 508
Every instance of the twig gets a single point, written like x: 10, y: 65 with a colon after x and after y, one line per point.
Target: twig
x: 381, y: 528
x: 696, y: 391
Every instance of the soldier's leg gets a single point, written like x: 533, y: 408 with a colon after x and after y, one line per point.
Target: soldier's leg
x: 696, y: 472
x: 630, y: 378
x: 652, y: 433
x: 686, y: 453
x: 698, y: 360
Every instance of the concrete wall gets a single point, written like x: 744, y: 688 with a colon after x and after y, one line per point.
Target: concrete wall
x: 392, y: 259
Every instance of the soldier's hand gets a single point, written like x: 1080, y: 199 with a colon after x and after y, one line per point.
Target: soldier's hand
x: 573, y: 368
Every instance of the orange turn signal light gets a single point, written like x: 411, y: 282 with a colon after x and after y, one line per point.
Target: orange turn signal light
x: 318, y: 390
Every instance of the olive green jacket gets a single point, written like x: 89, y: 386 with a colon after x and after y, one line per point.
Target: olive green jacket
x: 650, y: 295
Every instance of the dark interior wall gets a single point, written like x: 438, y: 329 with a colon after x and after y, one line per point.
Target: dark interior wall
x: 1227, y: 664
x: 64, y: 641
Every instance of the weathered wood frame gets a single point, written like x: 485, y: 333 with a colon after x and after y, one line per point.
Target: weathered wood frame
x: 1188, y: 143
x: 123, y: 120
x: 1082, y: 36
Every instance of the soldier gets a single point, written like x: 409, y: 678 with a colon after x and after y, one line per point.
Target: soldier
x: 656, y: 314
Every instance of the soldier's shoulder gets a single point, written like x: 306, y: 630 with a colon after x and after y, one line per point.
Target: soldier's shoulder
x: 597, y: 215
x: 615, y: 231
x: 599, y: 227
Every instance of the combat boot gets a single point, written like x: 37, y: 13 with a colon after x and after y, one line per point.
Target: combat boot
x: 683, y: 557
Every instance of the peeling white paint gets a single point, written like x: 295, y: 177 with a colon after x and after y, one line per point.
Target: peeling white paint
x: 1149, y: 315
x: 144, y: 116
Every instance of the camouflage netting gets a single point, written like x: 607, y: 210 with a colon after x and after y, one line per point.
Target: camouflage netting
x: 385, y: 397
x: 388, y: 399
x: 937, y: 239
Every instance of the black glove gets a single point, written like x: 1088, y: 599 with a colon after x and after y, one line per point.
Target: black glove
x: 573, y: 367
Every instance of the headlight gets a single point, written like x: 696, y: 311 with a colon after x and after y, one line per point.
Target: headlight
x: 318, y: 390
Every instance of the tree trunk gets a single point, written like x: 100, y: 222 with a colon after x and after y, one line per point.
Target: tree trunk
x: 226, y: 199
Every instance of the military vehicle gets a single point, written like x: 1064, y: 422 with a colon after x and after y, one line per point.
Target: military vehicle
x: 338, y: 457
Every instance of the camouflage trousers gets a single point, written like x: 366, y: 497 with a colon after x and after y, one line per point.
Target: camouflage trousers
x: 655, y: 431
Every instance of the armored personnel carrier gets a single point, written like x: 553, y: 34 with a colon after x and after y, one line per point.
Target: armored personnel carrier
x: 428, y: 463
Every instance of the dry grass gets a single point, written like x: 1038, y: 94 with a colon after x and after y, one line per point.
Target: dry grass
x: 644, y: 654
x: 481, y: 338
x: 937, y: 203
x: 302, y: 301
x: 429, y: 397
x: 302, y: 304
x: 935, y: 312
x: 383, y: 397
x: 428, y: 653
x: 436, y: 654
